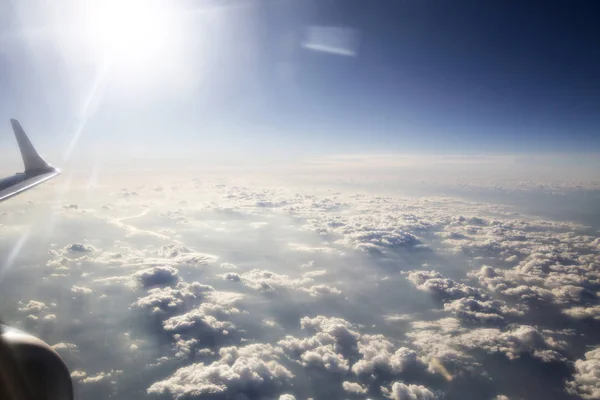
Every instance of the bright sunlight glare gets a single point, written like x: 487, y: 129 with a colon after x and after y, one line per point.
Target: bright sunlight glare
x: 141, y: 44
x: 130, y: 33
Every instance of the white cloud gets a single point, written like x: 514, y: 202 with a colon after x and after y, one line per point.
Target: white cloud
x: 325, y: 349
x: 50, y: 317
x: 32, y: 306
x: 400, y: 391
x: 445, y: 288
x: 586, y: 380
x: 378, y: 352
x: 354, y: 388
x: 78, y: 375
x: 513, y: 260
x: 70, y: 347
x: 448, y: 342
x: 592, y: 312
x: 481, y: 310
x: 197, y: 319
x: 238, y: 369
x: 462, y: 300
x: 169, y: 298
x: 99, y: 377
x: 325, y: 356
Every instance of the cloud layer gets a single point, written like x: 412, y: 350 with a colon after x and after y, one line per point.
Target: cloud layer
x: 225, y: 289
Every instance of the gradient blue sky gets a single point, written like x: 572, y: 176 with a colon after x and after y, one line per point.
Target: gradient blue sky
x: 233, y: 77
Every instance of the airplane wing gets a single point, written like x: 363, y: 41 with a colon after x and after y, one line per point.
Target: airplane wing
x: 22, y: 186
x: 36, y: 169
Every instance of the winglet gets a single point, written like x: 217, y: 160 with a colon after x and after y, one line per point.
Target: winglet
x: 31, y: 159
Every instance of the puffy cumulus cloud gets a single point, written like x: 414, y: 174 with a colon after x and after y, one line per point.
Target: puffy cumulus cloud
x: 38, y: 311
x: 337, y: 343
x: 325, y: 356
x: 157, y: 276
x: 514, y: 342
x: 189, y: 311
x: 543, y: 278
x: 586, y: 380
x: 446, y: 342
x: 287, y: 396
x: 184, y: 347
x: 250, y: 368
x: 339, y: 329
x: 433, y: 282
x: 368, y: 232
x: 491, y: 311
x: 462, y: 300
x: 400, y: 391
x: 32, y: 306
x: 434, y: 339
x: 268, y: 282
x: 171, y: 298
x: 378, y: 240
x: 326, y: 348
x: 592, y: 312
x: 354, y: 388
x: 58, y: 263
x: 198, y: 319
x: 378, y: 352
x: 549, y: 261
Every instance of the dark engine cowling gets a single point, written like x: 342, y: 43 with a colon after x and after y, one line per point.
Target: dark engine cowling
x: 30, y: 369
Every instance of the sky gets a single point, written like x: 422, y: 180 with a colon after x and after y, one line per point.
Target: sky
x: 277, y: 79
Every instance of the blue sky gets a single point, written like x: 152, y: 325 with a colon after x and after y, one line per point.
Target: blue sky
x: 236, y: 77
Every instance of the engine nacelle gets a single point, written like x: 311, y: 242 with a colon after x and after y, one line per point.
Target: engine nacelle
x: 30, y: 369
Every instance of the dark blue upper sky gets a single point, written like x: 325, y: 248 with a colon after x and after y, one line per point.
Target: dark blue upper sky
x: 426, y: 76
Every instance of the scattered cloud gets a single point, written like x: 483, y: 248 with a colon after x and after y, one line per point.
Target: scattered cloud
x: 226, y: 289
x: 354, y: 388
x: 400, y: 391
x: 250, y: 368
x: 586, y: 380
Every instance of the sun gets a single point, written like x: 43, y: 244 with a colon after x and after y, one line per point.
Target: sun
x: 128, y: 32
